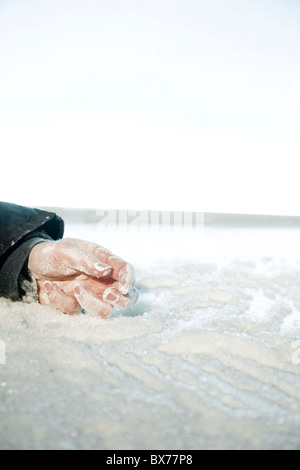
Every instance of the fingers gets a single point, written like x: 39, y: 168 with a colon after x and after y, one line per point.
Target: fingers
x: 68, y: 257
x: 126, y: 279
x: 92, y: 303
x: 78, y: 258
x: 65, y: 258
x: 83, y: 275
x: 122, y: 271
x: 50, y: 294
x: 113, y: 296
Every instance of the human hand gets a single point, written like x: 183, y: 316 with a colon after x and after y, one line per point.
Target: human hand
x: 74, y: 274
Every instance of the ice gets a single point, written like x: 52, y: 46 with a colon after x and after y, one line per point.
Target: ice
x: 207, y: 358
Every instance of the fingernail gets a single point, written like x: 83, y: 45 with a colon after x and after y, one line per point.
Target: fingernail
x: 126, y: 281
x: 104, y: 269
x: 77, y: 289
x: 124, y: 284
x: 48, y: 286
x: 110, y: 295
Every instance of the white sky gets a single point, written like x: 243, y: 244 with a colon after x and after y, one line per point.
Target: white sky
x: 159, y: 104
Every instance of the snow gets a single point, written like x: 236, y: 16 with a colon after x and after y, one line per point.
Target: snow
x: 207, y: 358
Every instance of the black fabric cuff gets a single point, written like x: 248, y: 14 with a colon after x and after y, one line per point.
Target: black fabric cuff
x: 14, y: 274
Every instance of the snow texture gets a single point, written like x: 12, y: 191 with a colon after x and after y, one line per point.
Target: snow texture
x: 209, y: 357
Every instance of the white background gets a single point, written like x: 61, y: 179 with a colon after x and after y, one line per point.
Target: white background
x: 159, y: 104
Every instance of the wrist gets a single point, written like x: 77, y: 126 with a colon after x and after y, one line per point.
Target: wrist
x: 34, y: 258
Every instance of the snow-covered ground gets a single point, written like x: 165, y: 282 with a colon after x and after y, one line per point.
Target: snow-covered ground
x: 209, y: 357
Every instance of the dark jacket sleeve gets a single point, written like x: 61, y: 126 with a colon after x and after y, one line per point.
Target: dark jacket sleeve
x: 21, y: 228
